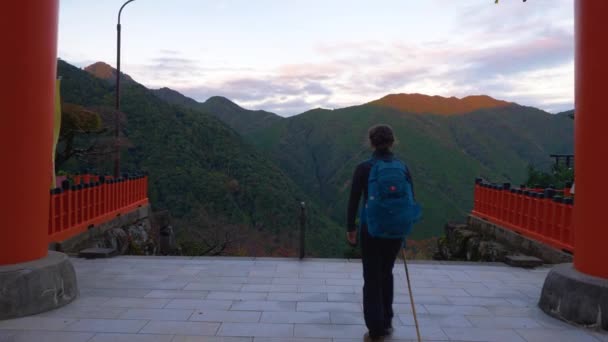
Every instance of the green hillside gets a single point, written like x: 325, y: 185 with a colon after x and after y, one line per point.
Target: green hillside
x: 199, y: 167
x: 319, y: 149
x: 244, y: 121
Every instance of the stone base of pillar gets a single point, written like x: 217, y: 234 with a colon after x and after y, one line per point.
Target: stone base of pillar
x: 575, y: 297
x: 37, y: 286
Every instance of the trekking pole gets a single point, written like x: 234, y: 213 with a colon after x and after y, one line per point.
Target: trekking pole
x: 409, y: 287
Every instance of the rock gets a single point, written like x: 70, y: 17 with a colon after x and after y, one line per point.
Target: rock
x: 524, y: 261
x: 117, y: 239
x: 168, y: 246
x: 443, y: 250
x: 97, y: 253
x: 140, y: 239
x: 450, y: 227
x: 472, y: 248
x: 36, y: 286
x: 492, y: 251
x: 458, y: 241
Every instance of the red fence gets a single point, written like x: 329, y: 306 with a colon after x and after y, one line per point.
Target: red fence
x: 73, y: 209
x: 542, y: 216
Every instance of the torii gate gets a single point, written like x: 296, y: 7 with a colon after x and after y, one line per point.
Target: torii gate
x: 28, y: 32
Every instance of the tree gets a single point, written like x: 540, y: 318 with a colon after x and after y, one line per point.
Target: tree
x: 76, y: 121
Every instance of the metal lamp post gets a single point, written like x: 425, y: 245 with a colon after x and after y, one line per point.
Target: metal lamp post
x: 116, y: 114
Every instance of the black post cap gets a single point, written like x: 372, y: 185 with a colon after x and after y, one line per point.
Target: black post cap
x: 56, y: 191
x: 102, y: 179
x: 549, y: 193
x: 74, y: 187
x: 506, y: 186
x: 478, y: 180
x: 558, y: 199
x: 65, y: 184
x: 541, y: 196
x: 569, y: 201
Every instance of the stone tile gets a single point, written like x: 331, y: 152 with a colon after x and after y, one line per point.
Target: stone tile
x: 344, y: 297
x: 457, y: 310
x: 407, y: 308
x: 441, y: 321
x: 295, y: 317
x: 290, y: 339
x: 131, y: 338
x: 427, y: 333
x: 556, y: 335
x: 478, y: 301
x: 326, y: 288
x: 435, y: 291
x: 421, y: 299
x: 149, y: 303
x: 212, y: 287
x: 93, y: 301
x: 47, y: 336
x: 237, y: 295
x: 112, y: 293
x: 158, y: 314
x: 329, y: 330
x: 347, y: 318
x: 256, y: 330
x: 503, y: 322
x: 329, y: 307
x: 181, y: 338
x: 344, y: 282
x: 36, y: 323
x: 299, y: 281
x: 483, y: 335
x: 177, y: 294
x: 263, y: 306
x: 70, y: 311
x: 185, y: 328
x: 200, y: 304
x: 106, y: 325
x: 602, y: 337
x: 324, y: 275
x: 269, y: 288
x: 298, y: 297
x: 226, y: 316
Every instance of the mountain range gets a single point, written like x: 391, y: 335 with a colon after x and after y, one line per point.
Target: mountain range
x: 447, y: 143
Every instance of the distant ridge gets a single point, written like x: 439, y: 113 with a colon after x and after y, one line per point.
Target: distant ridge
x: 106, y: 72
x: 419, y: 103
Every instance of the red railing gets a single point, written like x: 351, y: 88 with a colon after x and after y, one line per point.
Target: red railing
x: 543, y: 216
x: 75, y: 208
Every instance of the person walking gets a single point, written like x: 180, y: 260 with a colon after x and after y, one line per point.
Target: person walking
x: 387, y: 215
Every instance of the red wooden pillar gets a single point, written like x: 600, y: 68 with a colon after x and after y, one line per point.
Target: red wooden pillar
x: 28, y: 32
x: 590, y: 223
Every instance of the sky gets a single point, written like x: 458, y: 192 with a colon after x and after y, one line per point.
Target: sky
x: 289, y: 56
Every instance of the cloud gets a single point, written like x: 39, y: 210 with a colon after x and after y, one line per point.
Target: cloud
x: 515, y: 52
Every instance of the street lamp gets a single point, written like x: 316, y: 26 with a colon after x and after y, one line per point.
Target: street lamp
x: 116, y: 114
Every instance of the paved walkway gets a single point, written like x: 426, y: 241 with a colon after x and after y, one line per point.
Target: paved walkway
x: 173, y: 299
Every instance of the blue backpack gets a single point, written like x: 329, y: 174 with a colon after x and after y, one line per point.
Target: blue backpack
x: 391, y: 208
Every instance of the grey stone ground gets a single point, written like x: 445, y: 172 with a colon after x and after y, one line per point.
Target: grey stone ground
x: 174, y: 299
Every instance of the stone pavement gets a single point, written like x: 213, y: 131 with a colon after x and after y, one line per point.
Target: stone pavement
x: 182, y: 299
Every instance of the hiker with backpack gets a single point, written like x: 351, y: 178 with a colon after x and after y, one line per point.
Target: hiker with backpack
x: 388, y: 212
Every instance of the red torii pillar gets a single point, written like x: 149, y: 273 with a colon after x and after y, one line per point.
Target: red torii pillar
x: 28, y: 32
x: 579, y: 294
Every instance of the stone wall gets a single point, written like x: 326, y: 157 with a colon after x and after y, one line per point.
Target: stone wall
x: 129, y: 233
x: 481, y: 240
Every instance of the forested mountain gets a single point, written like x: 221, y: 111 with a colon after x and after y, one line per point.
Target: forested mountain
x: 446, y: 151
x: 250, y: 168
x: 216, y: 185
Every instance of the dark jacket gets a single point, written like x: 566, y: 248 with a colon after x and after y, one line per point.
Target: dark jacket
x: 359, y: 187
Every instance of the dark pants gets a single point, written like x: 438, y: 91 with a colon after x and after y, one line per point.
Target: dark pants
x: 378, y: 260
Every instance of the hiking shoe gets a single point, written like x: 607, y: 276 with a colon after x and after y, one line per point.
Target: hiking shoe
x: 375, y: 336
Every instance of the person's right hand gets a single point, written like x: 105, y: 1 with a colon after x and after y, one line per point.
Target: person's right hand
x: 351, y: 237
